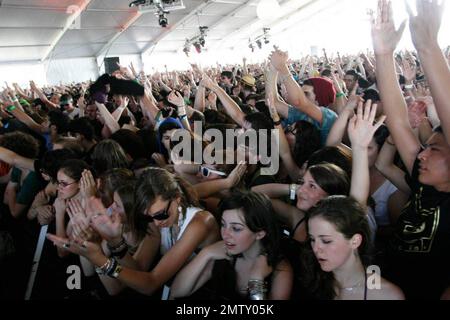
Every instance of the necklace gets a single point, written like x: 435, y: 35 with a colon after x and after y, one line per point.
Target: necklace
x: 354, y: 287
x: 175, y: 230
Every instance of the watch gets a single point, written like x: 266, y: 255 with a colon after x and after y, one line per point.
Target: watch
x: 293, y: 191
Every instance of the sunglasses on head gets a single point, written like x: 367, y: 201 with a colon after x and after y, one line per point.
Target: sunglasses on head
x: 206, y: 172
x: 159, y: 216
x: 290, y: 129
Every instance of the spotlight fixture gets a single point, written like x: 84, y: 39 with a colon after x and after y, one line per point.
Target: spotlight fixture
x: 259, y: 44
x: 201, y: 39
x: 198, y: 47
x: 266, y: 35
x: 163, y: 22
x: 187, y: 47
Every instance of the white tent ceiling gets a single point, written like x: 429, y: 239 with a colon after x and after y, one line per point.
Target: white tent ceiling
x: 36, y: 30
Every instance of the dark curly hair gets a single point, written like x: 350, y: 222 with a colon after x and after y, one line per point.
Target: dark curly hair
x: 21, y: 143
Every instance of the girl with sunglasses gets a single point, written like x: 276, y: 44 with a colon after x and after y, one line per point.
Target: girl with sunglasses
x: 166, y: 209
x: 246, y: 263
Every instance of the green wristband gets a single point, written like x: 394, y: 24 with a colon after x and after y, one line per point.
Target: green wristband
x: 11, y: 108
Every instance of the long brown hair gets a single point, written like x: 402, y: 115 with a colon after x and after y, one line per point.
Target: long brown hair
x: 156, y: 182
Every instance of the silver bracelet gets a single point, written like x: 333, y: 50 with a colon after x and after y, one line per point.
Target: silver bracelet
x: 257, y: 289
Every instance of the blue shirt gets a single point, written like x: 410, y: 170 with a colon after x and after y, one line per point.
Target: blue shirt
x: 328, y: 119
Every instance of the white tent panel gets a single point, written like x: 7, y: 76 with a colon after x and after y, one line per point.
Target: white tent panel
x: 23, y: 73
x: 9, y: 54
x: 71, y: 70
x: 76, y: 50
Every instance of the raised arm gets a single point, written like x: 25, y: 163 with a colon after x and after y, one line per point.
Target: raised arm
x: 360, y: 131
x: 385, y: 39
x: 285, y: 150
x: 42, y: 96
x: 194, y: 275
x: 228, y: 103
x: 385, y: 164
x: 209, y: 188
x: 110, y: 122
x: 13, y: 159
x: 296, y: 96
x: 424, y: 32
x: 339, y: 127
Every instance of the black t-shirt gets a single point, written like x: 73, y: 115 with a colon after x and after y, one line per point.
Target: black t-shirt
x: 420, y: 248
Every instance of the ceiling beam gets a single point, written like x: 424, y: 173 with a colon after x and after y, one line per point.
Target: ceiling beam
x: 83, y: 5
x: 122, y: 29
x: 174, y: 26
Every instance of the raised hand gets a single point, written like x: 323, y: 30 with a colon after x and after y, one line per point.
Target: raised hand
x: 353, y: 100
x: 361, y: 127
x: 279, y: 59
x: 79, y: 220
x: 218, y: 251
x: 385, y: 37
x: 417, y: 113
x: 425, y: 26
x: 45, y: 214
x: 110, y: 228
x: 207, y: 82
x: 88, y: 186
x: 409, y: 71
x: 41, y: 199
x: 176, y: 98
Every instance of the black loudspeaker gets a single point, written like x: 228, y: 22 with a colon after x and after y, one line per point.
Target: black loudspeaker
x: 111, y: 64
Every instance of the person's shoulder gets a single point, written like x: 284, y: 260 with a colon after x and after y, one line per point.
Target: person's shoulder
x: 203, y: 217
x: 388, y: 291
x: 327, y: 112
x: 283, y: 266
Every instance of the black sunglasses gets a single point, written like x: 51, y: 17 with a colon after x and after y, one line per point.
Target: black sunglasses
x: 160, y: 216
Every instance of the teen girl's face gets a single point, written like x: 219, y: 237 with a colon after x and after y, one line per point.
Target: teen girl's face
x: 237, y: 236
x: 330, y: 247
x: 309, y: 193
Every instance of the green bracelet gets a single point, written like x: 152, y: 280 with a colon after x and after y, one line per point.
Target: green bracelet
x: 340, y: 94
x: 11, y: 108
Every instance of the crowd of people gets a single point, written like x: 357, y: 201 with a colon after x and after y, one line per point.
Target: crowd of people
x: 363, y: 181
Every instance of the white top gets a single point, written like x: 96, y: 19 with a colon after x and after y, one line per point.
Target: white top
x: 167, y: 240
x: 381, y: 197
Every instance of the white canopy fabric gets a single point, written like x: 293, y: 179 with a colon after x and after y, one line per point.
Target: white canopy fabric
x: 37, y: 29
x: 68, y: 39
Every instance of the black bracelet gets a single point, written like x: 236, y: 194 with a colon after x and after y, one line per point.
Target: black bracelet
x: 278, y: 123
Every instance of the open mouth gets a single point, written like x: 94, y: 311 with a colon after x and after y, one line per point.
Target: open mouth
x: 230, y: 246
